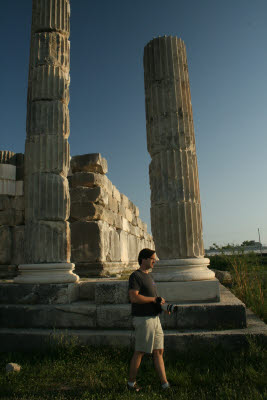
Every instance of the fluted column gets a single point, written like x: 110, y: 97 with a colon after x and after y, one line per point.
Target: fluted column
x: 47, y: 157
x: 176, y: 220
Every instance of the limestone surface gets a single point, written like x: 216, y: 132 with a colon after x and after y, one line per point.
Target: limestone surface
x: 5, y: 244
x: 50, y: 48
x: 89, y: 163
x: 47, y: 242
x: 175, y: 201
x: 55, y: 159
x: 46, y: 197
x: 47, y: 201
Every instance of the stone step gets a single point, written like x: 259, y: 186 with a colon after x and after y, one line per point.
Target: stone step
x: 17, y: 293
x: 36, y: 339
x: 88, y: 315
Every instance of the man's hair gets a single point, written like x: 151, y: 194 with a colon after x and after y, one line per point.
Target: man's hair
x: 144, y: 254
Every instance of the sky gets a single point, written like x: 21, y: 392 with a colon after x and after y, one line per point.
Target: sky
x: 227, y: 60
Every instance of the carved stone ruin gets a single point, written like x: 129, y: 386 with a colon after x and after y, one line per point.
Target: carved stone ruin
x: 47, y: 159
x: 175, y: 200
x: 106, y: 230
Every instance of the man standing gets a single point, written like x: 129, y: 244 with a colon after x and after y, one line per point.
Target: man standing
x: 149, y: 337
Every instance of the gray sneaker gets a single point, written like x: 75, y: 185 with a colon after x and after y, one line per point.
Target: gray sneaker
x: 134, y: 388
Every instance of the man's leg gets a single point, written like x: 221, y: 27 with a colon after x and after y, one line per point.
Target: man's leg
x: 134, y: 365
x: 159, y: 365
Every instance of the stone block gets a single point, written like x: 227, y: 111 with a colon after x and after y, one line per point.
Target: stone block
x: 116, y: 194
x: 19, y: 173
x: 104, y: 269
x: 11, y: 217
x: 189, y: 292
x: 5, y: 245
x: 90, y: 241
x: 114, y: 316
x: 47, y: 242
x: 115, y: 292
x: 51, y: 15
x: 19, y: 160
x: 134, y: 230
x: 114, y: 253
x: 134, y: 221
x: 47, y: 153
x: 46, y: 197
x: 139, y: 223
x: 18, y: 243
x: 4, y: 201
x: 122, y: 210
x: 75, y: 315
x: 49, y: 83
x: 86, y: 212
x: 93, y: 162
x: 85, y: 195
x: 117, y: 221
x: 7, y: 186
x: 132, y: 248
x: 11, y: 202
x: 136, y: 211
x: 108, y: 185
x: 8, y: 272
x: 86, y: 179
x: 50, y: 48
x: 123, y: 245
x: 61, y: 293
x: 113, y: 204
x: 86, y: 290
x: 19, y: 166
x: 7, y: 157
x: 48, y: 118
x: 224, y: 277
x: 18, y: 203
x: 124, y: 200
x: 125, y: 225
x: 19, y: 188
x: 7, y: 172
x: 128, y: 214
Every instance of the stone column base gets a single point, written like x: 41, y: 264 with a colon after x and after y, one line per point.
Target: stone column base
x: 46, y: 273
x: 190, y: 292
x: 182, y: 270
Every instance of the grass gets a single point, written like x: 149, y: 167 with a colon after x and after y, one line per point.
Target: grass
x: 249, y: 275
x: 70, y: 372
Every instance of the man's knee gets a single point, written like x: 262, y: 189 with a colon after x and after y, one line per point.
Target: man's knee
x: 138, y: 354
x: 158, y: 353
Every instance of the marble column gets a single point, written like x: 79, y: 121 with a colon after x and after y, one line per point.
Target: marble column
x: 47, y: 157
x: 176, y: 220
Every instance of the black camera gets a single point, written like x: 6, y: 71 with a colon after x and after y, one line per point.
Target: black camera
x: 171, y: 308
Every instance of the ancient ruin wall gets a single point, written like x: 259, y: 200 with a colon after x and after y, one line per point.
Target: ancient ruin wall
x: 107, y: 232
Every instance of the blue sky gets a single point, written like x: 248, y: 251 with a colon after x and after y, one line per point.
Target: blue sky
x: 226, y: 51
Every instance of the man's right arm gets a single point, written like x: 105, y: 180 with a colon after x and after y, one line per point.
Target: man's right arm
x: 137, y: 298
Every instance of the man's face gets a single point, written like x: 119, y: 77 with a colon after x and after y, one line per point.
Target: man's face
x: 150, y: 262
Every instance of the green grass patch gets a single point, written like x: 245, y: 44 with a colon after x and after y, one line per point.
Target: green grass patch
x: 72, y: 372
x: 249, y: 276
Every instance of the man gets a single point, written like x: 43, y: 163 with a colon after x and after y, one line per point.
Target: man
x: 149, y: 337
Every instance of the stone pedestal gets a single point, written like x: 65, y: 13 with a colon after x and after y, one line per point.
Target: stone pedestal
x: 47, y: 158
x: 176, y: 220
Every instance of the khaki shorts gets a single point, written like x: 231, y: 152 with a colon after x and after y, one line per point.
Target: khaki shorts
x: 149, y: 335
